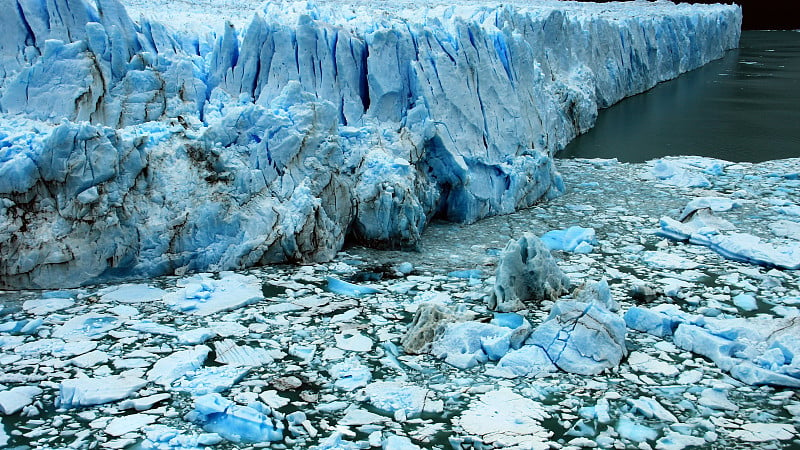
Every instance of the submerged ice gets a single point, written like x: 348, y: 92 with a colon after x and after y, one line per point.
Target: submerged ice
x: 132, y: 149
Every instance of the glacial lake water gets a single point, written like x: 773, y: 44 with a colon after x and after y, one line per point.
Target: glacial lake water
x: 743, y: 107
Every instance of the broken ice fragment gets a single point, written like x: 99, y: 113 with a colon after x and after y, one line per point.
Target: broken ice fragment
x: 86, y: 327
x: 350, y: 374
x: 228, y: 352
x: 77, y: 392
x: 506, y: 418
x: 170, y: 368
x: 240, y: 424
x: 208, y: 380
x: 573, y: 239
x: 353, y: 341
x: 14, y: 399
x: 392, y: 397
x: 126, y: 424
x: 340, y: 287
x: 765, y: 432
x: 528, y: 361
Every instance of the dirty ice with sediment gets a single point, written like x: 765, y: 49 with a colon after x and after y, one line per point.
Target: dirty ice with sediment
x: 161, y: 150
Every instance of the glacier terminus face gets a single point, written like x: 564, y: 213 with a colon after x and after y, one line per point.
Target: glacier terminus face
x: 139, y: 142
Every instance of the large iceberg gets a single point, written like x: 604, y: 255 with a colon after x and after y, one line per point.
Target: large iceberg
x: 132, y: 148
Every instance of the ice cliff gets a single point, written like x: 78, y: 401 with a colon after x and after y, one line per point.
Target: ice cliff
x: 131, y: 148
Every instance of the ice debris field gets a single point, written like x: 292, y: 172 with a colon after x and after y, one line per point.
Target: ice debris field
x: 177, y: 137
x: 488, y: 337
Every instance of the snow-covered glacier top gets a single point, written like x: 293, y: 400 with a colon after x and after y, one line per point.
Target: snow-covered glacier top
x: 142, y: 138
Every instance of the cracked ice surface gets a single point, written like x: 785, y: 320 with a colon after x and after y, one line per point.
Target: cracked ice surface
x: 211, y: 135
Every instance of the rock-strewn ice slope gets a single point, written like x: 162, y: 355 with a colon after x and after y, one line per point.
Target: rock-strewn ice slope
x: 133, y: 147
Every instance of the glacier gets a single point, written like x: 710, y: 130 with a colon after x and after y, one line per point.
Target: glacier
x: 135, y: 147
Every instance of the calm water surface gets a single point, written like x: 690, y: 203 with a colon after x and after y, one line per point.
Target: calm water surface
x: 743, y: 107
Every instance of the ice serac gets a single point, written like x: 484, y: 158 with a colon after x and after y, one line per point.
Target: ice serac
x: 132, y: 149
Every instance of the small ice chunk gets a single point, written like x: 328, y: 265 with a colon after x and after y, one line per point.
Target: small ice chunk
x: 195, y: 336
x: 350, y: 374
x: 676, y: 441
x: 745, y: 302
x: 14, y: 399
x: 143, y: 403
x: 573, y: 239
x: 126, y: 424
x: 207, y: 380
x: 664, y: 260
x: 635, y: 432
x: 356, y: 417
x: 148, y: 326
x: 77, y: 392
x: 354, y: 341
x: 90, y: 359
x: 395, y: 442
x: 340, y: 287
x: 651, y: 408
x: 716, y: 399
x: 642, y: 362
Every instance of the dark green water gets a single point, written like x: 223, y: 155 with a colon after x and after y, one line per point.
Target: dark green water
x: 743, y: 107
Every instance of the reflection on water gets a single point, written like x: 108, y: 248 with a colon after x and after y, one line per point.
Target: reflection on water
x: 743, y: 107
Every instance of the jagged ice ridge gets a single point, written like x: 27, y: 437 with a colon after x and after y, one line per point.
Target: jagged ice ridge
x: 129, y: 148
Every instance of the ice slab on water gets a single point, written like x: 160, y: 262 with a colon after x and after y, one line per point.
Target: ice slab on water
x: 236, y: 423
x: 131, y: 293
x: 507, y: 418
x: 350, y: 374
x: 467, y: 344
x: 677, y: 174
x: 86, y: 327
x: 228, y: 352
x: 209, y: 380
x: 757, y: 351
x: 341, y: 287
x: 170, y: 368
x: 14, y: 399
x: 77, y: 392
x: 203, y: 295
x: 391, y: 397
x: 527, y: 361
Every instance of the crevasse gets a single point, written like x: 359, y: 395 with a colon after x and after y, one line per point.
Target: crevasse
x: 129, y: 148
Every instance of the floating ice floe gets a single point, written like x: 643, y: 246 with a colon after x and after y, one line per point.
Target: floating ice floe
x: 506, y: 418
x: 573, y: 239
x: 77, y: 392
x: 676, y: 173
x: 401, y: 400
x: 162, y: 437
x: 756, y: 351
x: 203, y: 295
x: 45, y: 306
x: 707, y: 230
x: 209, y: 380
x: 341, y: 287
x: 86, y: 327
x: 14, y: 399
x: 170, y: 368
x: 526, y: 273
x: 236, y: 423
x: 350, y: 374
x: 354, y: 341
x: 131, y: 293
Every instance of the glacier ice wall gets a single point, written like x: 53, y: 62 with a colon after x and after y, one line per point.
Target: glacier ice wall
x: 129, y: 148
